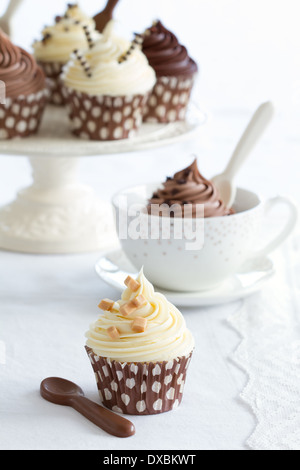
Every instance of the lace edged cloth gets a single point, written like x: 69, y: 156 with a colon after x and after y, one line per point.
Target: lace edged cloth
x: 269, y: 353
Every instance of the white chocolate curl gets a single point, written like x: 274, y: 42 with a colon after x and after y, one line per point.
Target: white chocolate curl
x: 166, y: 336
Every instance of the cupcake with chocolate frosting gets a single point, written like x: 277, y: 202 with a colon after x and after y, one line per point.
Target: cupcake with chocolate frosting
x: 26, y: 91
x: 140, y: 349
x: 175, y: 72
x: 58, y: 42
x: 186, y: 191
x: 106, y: 88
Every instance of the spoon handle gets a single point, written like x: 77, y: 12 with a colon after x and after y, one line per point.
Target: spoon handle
x: 103, y: 418
x: 251, y: 135
x: 12, y: 8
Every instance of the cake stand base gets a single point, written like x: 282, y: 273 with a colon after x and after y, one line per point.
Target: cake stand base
x: 56, y: 214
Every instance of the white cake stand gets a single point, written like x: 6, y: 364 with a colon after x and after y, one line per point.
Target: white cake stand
x: 58, y: 214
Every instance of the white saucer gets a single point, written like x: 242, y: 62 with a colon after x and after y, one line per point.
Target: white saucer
x: 114, y: 267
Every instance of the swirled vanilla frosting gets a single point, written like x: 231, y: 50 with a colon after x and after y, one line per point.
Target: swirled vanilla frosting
x: 141, y: 327
x: 60, y: 40
x: 110, y: 70
x: 19, y: 70
x: 186, y: 191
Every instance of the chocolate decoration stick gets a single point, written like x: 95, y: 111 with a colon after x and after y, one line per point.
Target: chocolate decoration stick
x: 102, y: 18
x: 83, y: 62
x: 137, y: 42
x: 88, y: 36
x: 63, y: 392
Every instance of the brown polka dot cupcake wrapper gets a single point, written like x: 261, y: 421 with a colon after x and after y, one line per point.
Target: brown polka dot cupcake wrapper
x: 140, y: 388
x: 104, y: 117
x: 53, y: 71
x: 169, y: 99
x: 21, y: 117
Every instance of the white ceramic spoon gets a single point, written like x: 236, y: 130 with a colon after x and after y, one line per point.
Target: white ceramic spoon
x: 6, y: 19
x: 225, y: 181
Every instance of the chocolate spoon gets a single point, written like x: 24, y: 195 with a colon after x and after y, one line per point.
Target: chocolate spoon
x: 225, y: 181
x: 102, y: 18
x: 64, y: 392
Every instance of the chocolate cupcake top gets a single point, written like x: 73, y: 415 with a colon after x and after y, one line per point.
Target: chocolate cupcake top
x: 165, y: 54
x: 141, y: 327
x: 187, y: 189
x: 68, y: 33
x: 19, y: 70
x: 111, y: 66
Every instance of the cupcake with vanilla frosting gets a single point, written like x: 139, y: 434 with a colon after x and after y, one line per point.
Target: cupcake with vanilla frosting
x: 106, y: 88
x: 58, y: 42
x: 175, y: 71
x: 140, y: 349
x: 24, y: 89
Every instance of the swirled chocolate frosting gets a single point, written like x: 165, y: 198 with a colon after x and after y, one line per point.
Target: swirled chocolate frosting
x: 164, y: 53
x: 19, y: 70
x: 187, y: 189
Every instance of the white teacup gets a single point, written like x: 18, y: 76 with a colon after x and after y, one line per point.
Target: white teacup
x: 174, y: 261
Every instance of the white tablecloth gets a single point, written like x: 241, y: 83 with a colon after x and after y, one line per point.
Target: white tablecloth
x: 48, y: 302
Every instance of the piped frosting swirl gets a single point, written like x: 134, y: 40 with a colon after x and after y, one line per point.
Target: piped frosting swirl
x: 108, y: 72
x: 165, y: 338
x: 187, y: 189
x: 165, y: 54
x: 59, y: 40
x: 19, y: 70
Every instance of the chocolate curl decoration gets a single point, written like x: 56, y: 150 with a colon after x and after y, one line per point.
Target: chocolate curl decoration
x: 88, y: 36
x: 83, y: 62
x: 136, y: 43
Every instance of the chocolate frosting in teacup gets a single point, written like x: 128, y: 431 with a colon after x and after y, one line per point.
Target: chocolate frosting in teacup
x: 187, y: 189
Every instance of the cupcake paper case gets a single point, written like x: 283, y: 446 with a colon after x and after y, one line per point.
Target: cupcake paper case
x: 106, y: 88
x: 175, y: 72
x: 140, y: 350
x: 59, y: 41
x: 26, y: 91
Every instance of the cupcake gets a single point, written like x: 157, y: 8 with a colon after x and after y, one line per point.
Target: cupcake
x: 25, y: 89
x: 185, y: 193
x: 107, y: 87
x: 58, y: 42
x: 175, y: 72
x: 140, y: 350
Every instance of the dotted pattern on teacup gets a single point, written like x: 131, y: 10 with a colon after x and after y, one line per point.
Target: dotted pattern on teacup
x: 220, y: 237
x: 169, y: 100
x: 140, y: 388
x: 21, y: 117
x: 104, y: 117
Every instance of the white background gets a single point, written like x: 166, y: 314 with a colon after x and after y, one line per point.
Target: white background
x: 248, y: 52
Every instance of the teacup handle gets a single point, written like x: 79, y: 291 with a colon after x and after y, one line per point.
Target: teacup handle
x: 287, y: 228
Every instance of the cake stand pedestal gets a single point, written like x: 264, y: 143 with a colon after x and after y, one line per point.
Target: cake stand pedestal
x: 58, y: 214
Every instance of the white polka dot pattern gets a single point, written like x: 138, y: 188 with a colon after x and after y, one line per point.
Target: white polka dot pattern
x: 104, y: 117
x: 21, y: 117
x: 169, y: 99
x: 53, y: 71
x: 139, y: 388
